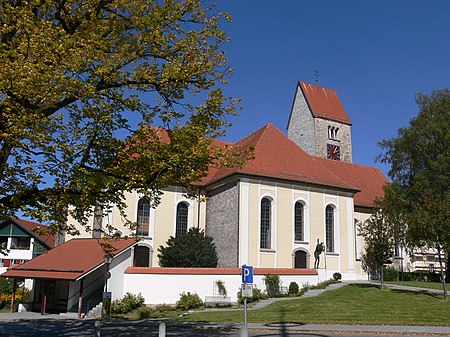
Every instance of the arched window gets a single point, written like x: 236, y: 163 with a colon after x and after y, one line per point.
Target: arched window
x: 329, y: 228
x: 266, y: 218
x: 143, y: 217
x: 299, y: 231
x: 182, y: 219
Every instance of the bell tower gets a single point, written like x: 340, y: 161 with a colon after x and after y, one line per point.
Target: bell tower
x: 319, y: 124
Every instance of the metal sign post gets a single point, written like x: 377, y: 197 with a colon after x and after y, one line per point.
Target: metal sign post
x: 247, y: 291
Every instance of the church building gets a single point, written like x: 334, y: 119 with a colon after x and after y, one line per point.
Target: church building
x: 300, y: 189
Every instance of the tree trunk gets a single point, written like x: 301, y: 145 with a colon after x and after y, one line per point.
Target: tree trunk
x: 447, y: 270
x: 442, y: 265
x: 382, y: 276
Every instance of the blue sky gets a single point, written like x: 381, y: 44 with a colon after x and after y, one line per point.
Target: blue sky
x: 376, y: 54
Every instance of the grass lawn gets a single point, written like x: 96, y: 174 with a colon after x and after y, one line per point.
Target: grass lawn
x: 420, y: 284
x: 352, y: 304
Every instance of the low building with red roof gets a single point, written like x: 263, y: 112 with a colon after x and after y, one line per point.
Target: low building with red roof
x: 71, y: 276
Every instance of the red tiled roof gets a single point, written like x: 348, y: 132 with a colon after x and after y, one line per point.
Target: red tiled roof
x: 368, y: 179
x: 217, y: 271
x: 29, y: 226
x: 276, y: 156
x: 69, y: 261
x: 324, y: 103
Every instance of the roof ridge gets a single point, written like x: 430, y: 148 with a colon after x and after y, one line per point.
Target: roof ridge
x: 252, y: 134
x: 318, y: 86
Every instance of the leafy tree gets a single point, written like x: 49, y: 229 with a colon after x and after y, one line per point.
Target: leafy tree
x: 80, y: 83
x: 193, y: 249
x: 419, y: 194
x: 6, y: 286
x: 379, y: 243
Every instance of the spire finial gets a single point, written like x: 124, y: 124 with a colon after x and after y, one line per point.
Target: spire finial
x: 316, y: 76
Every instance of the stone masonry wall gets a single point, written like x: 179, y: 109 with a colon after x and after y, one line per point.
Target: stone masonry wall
x: 344, y: 139
x: 301, y: 124
x: 222, y: 222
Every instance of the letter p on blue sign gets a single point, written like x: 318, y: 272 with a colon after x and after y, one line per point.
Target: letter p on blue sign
x: 247, y: 274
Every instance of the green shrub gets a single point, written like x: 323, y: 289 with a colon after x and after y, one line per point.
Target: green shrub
x: 421, y: 277
x: 145, y: 312
x: 164, y: 307
x: 390, y: 274
x: 192, y: 249
x: 272, y: 280
x: 406, y: 276
x: 273, y: 284
x: 257, y: 295
x: 322, y: 285
x: 189, y: 301
x: 127, y: 304
x: 293, y: 288
x: 159, y: 311
x: 337, y: 276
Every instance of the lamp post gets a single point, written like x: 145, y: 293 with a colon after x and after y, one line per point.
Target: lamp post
x: 108, y: 259
x: 106, y: 308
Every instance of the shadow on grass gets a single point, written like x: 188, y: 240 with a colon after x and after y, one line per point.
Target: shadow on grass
x: 417, y: 292
x: 364, y: 285
x: 282, y: 328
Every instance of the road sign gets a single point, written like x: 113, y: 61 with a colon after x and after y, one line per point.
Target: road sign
x: 247, y: 290
x: 247, y: 274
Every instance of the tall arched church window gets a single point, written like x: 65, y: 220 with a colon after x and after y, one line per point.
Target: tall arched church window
x: 143, y: 217
x: 182, y: 219
x: 329, y: 228
x: 266, y: 218
x: 299, y: 231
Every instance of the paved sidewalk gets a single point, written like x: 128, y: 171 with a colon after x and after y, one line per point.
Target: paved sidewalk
x: 33, y: 316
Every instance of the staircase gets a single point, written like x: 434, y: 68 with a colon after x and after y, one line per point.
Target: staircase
x: 92, y: 304
x: 95, y: 312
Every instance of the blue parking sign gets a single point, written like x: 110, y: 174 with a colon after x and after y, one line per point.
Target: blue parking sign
x: 247, y: 274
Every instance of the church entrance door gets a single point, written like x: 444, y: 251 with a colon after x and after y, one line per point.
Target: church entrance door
x: 300, y: 259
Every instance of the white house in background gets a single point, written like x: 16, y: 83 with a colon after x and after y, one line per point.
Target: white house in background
x: 21, y: 243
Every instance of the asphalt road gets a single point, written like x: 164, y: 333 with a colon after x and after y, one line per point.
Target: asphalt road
x: 59, y: 328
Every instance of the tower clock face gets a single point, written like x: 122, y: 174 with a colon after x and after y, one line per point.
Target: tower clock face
x: 333, y: 152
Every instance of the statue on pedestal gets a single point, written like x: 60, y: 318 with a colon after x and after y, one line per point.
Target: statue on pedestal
x: 319, y: 249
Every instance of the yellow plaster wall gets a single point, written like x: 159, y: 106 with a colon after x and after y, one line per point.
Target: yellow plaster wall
x: 162, y: 219
x: 284, y: 197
